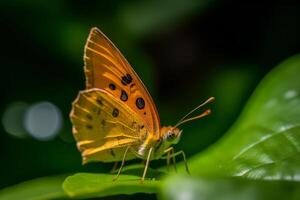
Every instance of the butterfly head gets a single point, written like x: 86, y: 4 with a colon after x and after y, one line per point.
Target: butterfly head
x: 170, y: 135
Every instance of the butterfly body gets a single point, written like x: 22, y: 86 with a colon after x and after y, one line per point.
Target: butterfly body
x: 115, y: 118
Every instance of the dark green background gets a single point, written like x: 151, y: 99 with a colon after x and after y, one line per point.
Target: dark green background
x: 184, y: 51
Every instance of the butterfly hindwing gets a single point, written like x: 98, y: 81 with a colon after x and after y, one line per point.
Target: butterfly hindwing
x: 104, y: 126
x: 107, y: 69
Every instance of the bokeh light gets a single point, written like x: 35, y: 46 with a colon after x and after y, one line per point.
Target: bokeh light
x: 43, y: 121
x: 12, y: 119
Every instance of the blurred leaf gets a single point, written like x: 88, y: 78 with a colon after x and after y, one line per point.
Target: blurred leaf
x: 178, y: 188
x: 40, y: 188
x: 265, y: 141
x: 142, y: 18
x: 84, y: 185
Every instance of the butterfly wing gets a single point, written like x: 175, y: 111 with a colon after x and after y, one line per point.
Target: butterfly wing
x: 107, y: 69
x: 104, y: 126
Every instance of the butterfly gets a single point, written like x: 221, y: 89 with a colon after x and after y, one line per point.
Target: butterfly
x: 114, y: 118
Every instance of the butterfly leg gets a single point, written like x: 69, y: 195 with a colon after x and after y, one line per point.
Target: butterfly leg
x: 174, y: 159
x: 114, y: 167
x: 147, y: 164
x: 170, y: 152
x: 122, y: 164
x: 184, y: 158
x: 168, y: 160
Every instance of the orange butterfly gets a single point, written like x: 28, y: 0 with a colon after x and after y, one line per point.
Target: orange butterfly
x: 115, y: 118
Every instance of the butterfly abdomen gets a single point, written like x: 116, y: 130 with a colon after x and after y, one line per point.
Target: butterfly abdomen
x: 149, y: 142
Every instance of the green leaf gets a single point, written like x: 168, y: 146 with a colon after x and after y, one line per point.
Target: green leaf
x: 264, y: 143
x: 40, y: 188
x: 85, y: 185
x: 178, y: 188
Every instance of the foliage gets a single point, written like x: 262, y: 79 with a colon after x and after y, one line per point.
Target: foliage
x: 264, y: 142
x: 41, y: 188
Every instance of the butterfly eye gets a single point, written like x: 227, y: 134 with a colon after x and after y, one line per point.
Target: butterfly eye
x: 170, y: 136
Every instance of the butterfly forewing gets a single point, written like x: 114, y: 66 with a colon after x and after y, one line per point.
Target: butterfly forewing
x: 104, y: 126
x: 107, y: 69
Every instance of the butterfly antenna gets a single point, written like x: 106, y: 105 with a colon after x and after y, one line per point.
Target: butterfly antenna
x: 207, y: 112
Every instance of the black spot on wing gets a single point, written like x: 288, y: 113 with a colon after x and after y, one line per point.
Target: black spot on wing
x: 140, y: 103
x: 112, y: 86
x: 132, y: 85
x: 127, y: 79
x: 112, y: 153
x: 99, y: 102
x: 115, y: 112
x: 124, y: 96
x: 89, y: 117
x: 89, y: 126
